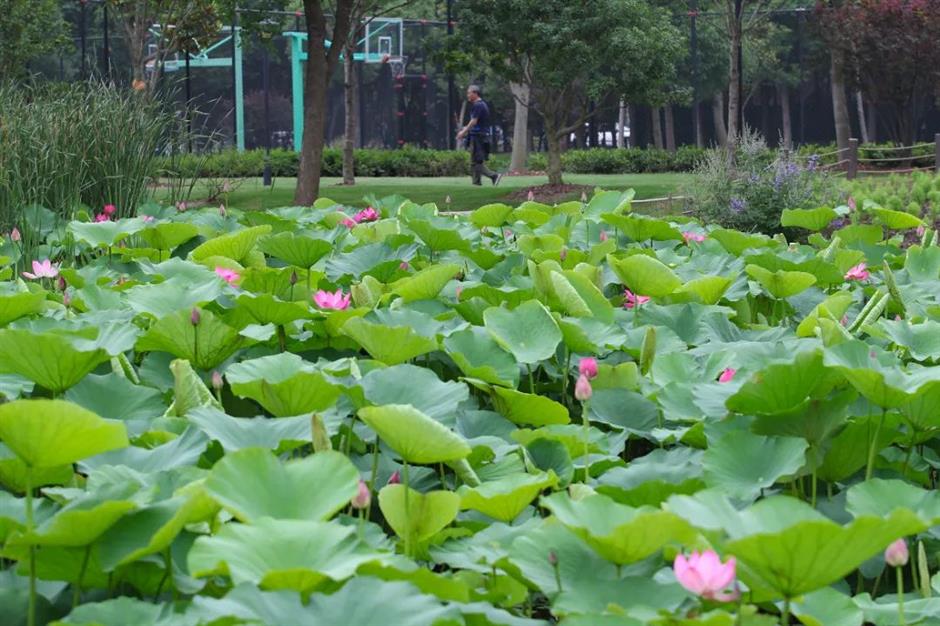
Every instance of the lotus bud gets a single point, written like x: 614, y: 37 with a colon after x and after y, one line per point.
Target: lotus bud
x: 896, y: 555
x: 363, y: 496
x: 293, y: 278
x: 60, y: 283
x: 395, y: 478
x: 321, y: 438
x: 217, y: 380
x: 222, y: 210
x: 603, y: 236
x: 563, y: 254
x: 531, y: 196
x: 584, y: 197
x: 15, y: 234
x: 447, y: 199
x: 582, y: 389
x: 552, y: 558
x: 403, y: 266
x: 588, y: 367
x: 66, y: 299
x: 194, y: 317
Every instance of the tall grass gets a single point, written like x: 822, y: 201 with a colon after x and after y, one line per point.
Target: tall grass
x: 65, y: 146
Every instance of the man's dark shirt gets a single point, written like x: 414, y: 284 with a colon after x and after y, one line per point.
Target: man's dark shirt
x: 481, y: 113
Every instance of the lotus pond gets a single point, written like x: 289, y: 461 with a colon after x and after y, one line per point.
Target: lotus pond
x: 523, y: 415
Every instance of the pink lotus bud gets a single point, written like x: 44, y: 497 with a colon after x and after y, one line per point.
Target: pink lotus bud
x: 147, y: 218
x: 459, y: 291
x: 194, y: 317
x: 293, y: 277
x: 102, y: 217
x: 216, y: 380
x: 603, y: 236
x: 851, y: 204
x: 15, y: 234
x: 552, y: 558
x: 896, y: 554
x: 727, y: 375
x: 180, y: 206
x: 403, y: 266
x: 582, y: 389
x: 531, y: 196
x: 588, y: 367
x: 395, y: 478
x: 109, y: 209
x: 349, y: 223
x: 920, y: 230
x: 563, y: 254
x: 363, y: 497
x: 858, y: 273
x: 222, y: 210
x: 66, y: 299
x: 705, y: 575
x: 60, y: 283
x: 583, y: 197
x: 845, y: 320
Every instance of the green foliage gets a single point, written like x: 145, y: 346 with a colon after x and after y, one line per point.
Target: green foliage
x: 28, y: 29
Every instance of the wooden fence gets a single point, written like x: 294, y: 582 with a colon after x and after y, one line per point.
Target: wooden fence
x: 855, y: 161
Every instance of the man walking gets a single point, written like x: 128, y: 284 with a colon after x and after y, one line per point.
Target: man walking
x: 478, y: 134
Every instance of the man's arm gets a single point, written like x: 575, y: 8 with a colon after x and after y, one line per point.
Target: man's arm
x: 466, y: 129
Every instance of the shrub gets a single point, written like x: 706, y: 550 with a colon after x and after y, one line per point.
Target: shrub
x: 750, y: 188
x: 84, y: 144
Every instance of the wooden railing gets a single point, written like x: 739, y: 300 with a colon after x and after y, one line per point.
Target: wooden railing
x: 849, y: 160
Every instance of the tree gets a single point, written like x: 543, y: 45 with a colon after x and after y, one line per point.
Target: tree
x: 571, y: 53
x: 28, y: 29
x: 321, y: 65
x: 890, y: 49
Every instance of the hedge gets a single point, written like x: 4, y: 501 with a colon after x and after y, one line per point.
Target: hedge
x: 424, y: 163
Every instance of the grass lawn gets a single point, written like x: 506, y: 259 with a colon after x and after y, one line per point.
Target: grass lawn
x: 250, y: 194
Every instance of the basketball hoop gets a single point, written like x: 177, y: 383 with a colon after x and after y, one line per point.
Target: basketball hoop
x: 397, y: 65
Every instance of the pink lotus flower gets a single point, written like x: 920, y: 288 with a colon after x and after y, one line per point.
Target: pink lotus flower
x: 180, y: 206
x: 920, y: 230
x: 45, y: 269
x: 216, y: 380
x: 859, y: 272
x: 696, y: 237
x: 229, y: 276
x: 102, y: 217
x: 109, y: 209
x: 632, y: 300
x: 349, y: 223
x: 603, y: 236
x: 588, y: 367
x: 896, y: 554
x: 363, y: 496
x: 366, y: 215
x: 15, y: 234
x: 563, y: 254
x: 459, y: 291
x: 403, y: 266
x: 705, y: 575
x: 582, y: 389
x: 66, y: 299
x: 845, y: 320
x: 727, y: 375
x: 851, y: 204
x: 336, y: 301
x: 531, y: 196
x: 147, y: 218
x: 394, y: 479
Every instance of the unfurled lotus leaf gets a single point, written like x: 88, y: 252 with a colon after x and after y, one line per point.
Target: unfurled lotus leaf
x: 783, y: 387
x: 206, y: 344
x: 284, y: 384
x: 49, y: 359
x: 253, y: 484
x: 895, y: 220
x: 105, y: 234
x: 236, y: 246
x: 529, y: 331
x: 267, y: 309
x: 490, y: 215
x: 619, y: 533
x: 236, y: 433
x: 440, y: 235
x: 781, y: 284
x: 530, y: 244
x: 506, y: 498
x: 418, y: 386
x: 528, y: 409
x: 478, y: 355
x: 613, y: 202
x: 413, y: 435
x: 389, y: 344
x: 741, y: 464
x: 810, y: 219
x: 298, y: 250
x: 706, y: 289
x: 644, y: 275
x: 426, y: 284
x: 736, y: 242
x: 416, y: 516
x: 643, y: 228
x: 168, y: 235
x: 16, y: 305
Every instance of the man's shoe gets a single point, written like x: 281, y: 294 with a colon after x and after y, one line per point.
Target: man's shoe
x: 477, y: 184
x: 496, y: 179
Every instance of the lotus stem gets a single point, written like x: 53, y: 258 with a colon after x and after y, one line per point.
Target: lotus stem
x: 873, y: 445
x: 77, y: 591
x: 282, y: 337
x: 813, y: 495
x: 31, y: 607
x: 900, y: 579
x: 404, y: 479
x: 531, y: 379
x: 785, y: 614
x: 587, y: 433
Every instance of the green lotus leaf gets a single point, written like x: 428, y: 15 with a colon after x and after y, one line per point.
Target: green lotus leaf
x: 506, y: 498
x: 706, y: 289
x: 206, y: 344
x: 124, y: 610
x: 833, y: 307
x: 253, y: 484
x: 49, y: 359
x: 643, y: 227
x: 645, y: 275
x: 284, y: 384
x: 82, y: 520
x: 478, y: 355
x: 280, y: 554
x: 619, y: 533
x: 417, y: 516
x: 50, y: 433
x: 529, y: 331
x: 874, y: 376
x: 781, y: 284
x: 389, y: 344
x: 736, y: 242
x: 417, y: 386
x: 781, y: 387
x: 267, y: 309
x: 580, y: 297
x: 544, y: 244
x: 614, y: 202
x: 652, y: 479
x: 526, y: 408
x: 168, y: 235
x: 439, y: 238
x: 895, y: 220
x: 880, y: 498
x: 16, y: 305
x: 810, y: 219
x: 236, y: 246
x: 828, y: 607
x: 741, y: 464
x: 236, y: 433
x: 413, y: 435
x: 490, y: 215
x: 294, y: 249
x: 425, y: 284
x: 104, y: 234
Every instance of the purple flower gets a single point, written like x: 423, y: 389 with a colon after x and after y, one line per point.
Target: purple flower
x: 812, y: 163
x: 738, y: 205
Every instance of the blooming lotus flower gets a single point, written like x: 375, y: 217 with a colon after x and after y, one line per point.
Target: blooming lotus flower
x: 588, y: 367
x: 229, y: 276
x: 896, y: 554
x: 727, y: 375
x: 109, y: 209
x: 859, y: 272
x: 349, y: 223
x: 44, y: 269
x: 696, y: 237
x: 394, y: 479
x: 15, y: 234
x: 582, y: 389
x: 147, y: 218
x: 603, y: 236
x: 363, y: 496
x: 705, y: 575
x: 102, y: 217
x: 633, y: 300
x: 336, y: 301
x: 366, y: 215
x: 180, y: 206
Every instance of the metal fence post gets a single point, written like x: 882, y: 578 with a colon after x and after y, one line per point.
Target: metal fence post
x: 852, y: 168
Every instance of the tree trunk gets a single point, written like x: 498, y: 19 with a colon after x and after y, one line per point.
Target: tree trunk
x: 670, y: 129
x: 840, y: 109
x: 621, y: 125
x: 657, y: 127
x: 734, y: 77
x: 872, y: 122
x: 520, y: 128
x: 862, y: 122
x: 783, y: 93
x: 699, y: 125
x: 718, y: 115
x: 352, y: 117
x: 553, y: 139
